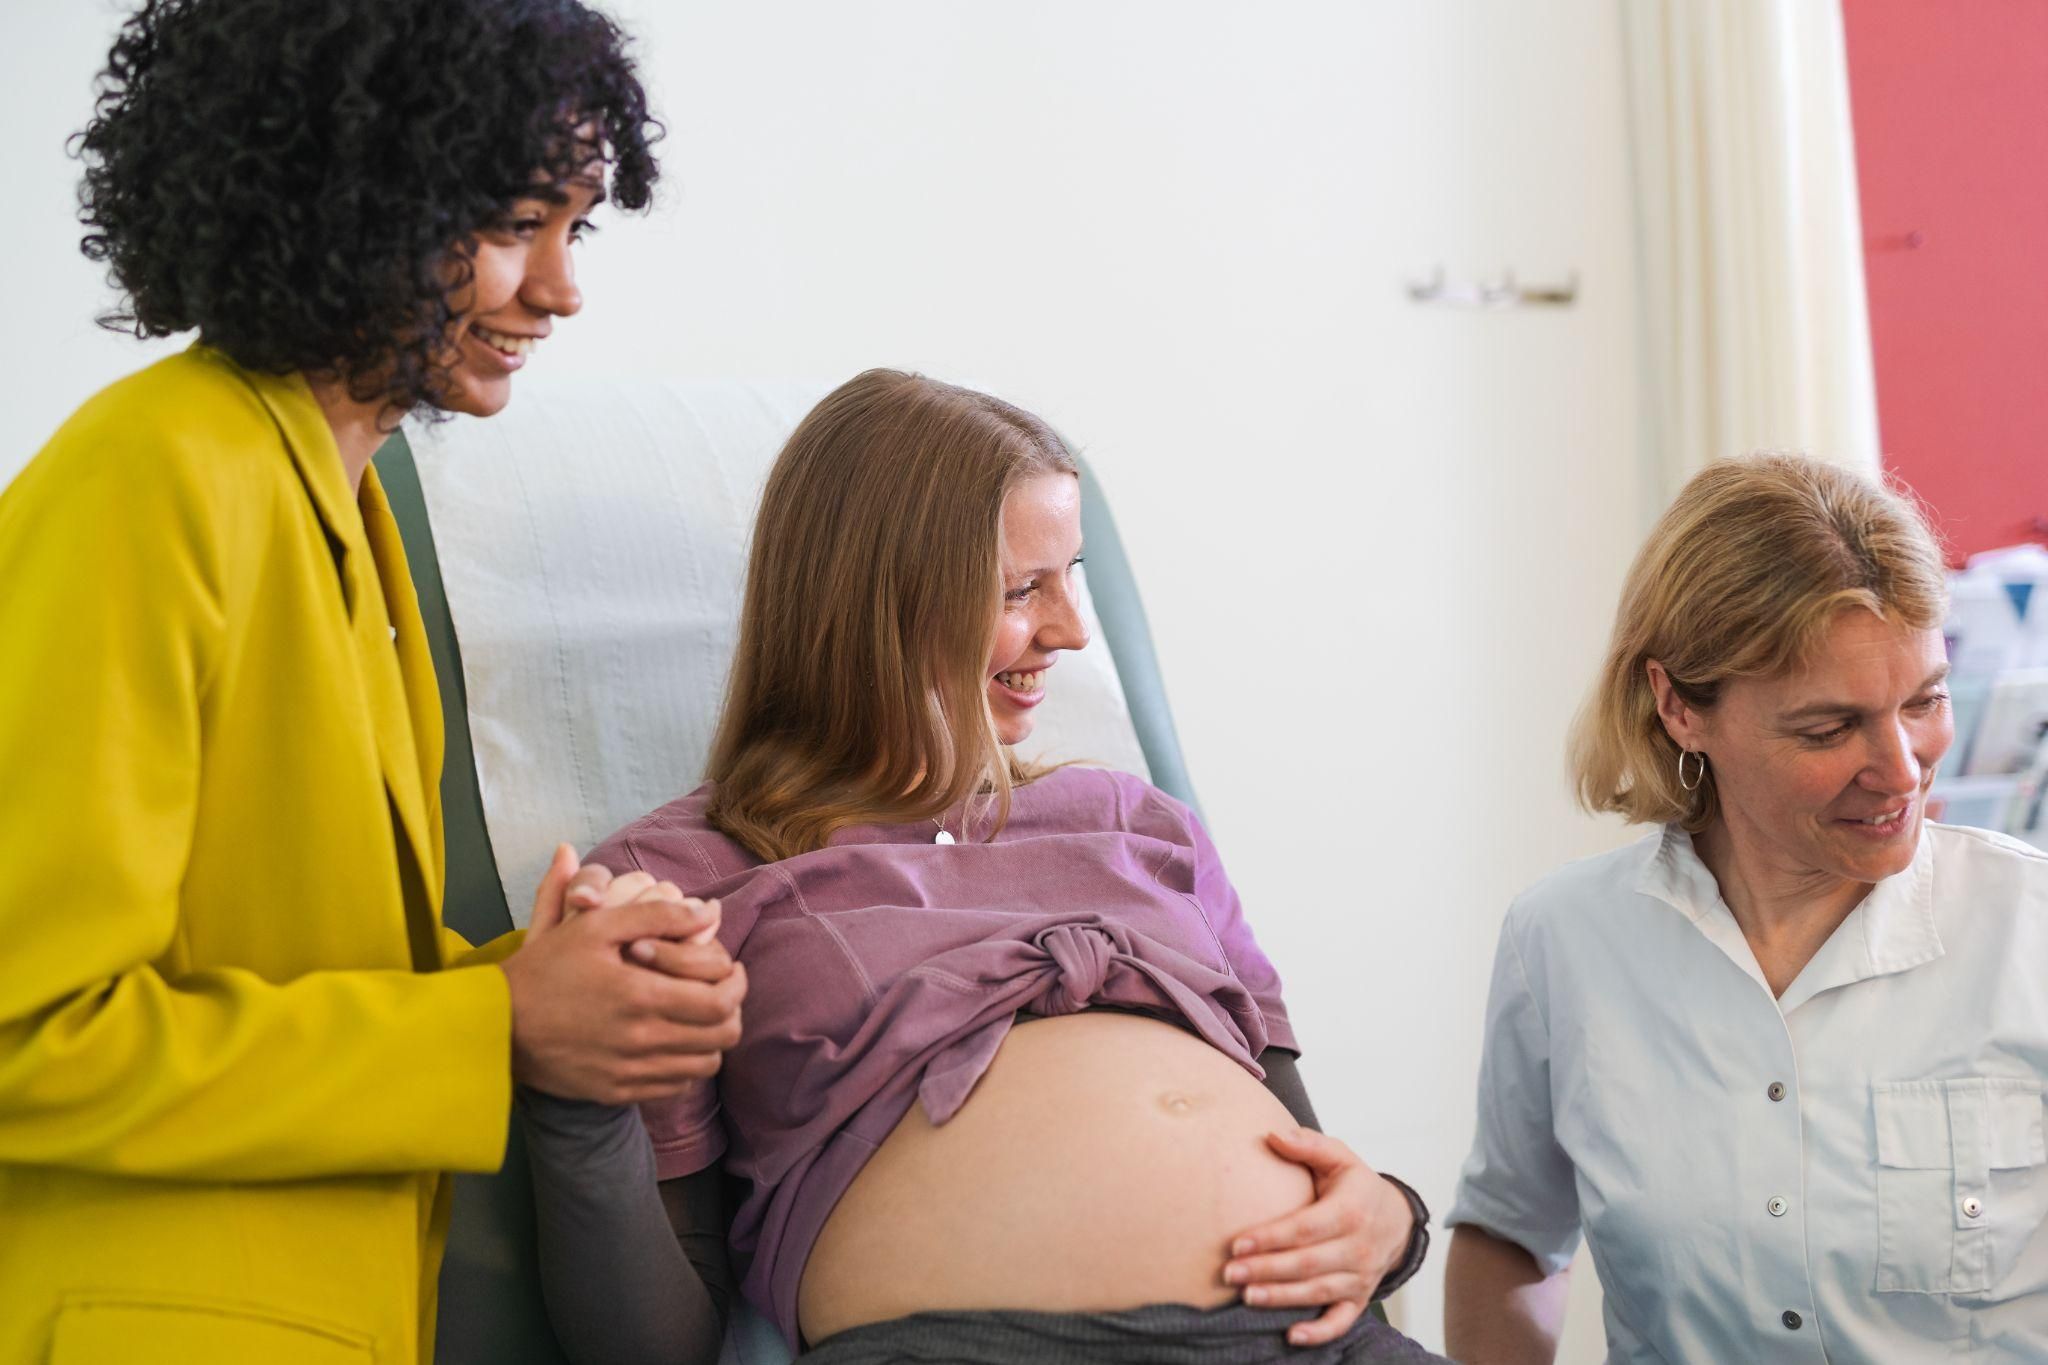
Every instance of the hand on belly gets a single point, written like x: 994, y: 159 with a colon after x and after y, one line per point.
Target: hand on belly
x: 1104, y: 1161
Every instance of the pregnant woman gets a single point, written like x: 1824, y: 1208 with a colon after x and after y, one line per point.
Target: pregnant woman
x: 998, y: 1095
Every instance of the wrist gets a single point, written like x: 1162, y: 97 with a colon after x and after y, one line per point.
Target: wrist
x: 521, y: 1060
x: 567, y: 1115
x: 1417, y: 1247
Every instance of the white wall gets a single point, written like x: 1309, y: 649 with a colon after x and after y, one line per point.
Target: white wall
x: 1379, y: 543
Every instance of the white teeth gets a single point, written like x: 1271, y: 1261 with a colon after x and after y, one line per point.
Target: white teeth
x: 1884, y: 819
x: 1022, y: 682
x: 510, y: 345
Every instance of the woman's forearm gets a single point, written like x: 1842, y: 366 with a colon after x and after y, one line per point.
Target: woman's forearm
x: 618, y: 1285
x: 1499, y: 1306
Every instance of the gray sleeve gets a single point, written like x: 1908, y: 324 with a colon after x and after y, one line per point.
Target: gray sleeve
x: 1283, y: 1078
x: 633, y: 1273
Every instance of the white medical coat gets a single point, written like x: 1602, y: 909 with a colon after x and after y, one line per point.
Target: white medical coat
x: 1853, y: 1172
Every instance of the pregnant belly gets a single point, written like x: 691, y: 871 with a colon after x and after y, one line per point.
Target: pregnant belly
x: 1104, y: 1161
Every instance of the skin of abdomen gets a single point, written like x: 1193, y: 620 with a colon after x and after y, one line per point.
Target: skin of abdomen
x: 1104, y: 1161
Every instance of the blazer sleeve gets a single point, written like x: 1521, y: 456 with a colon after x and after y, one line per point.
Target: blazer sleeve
x: 457, y: 952
x: 113, y: 621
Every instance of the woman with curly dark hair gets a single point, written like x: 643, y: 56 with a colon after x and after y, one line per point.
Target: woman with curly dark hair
x: 236, y: 1055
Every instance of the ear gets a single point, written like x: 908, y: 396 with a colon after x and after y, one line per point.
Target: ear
x: 1686, y: 726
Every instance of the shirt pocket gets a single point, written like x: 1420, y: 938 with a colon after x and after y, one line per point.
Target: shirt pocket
x: 1962, y: 1181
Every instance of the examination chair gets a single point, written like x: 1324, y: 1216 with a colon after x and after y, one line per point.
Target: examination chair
x: 579, y: 561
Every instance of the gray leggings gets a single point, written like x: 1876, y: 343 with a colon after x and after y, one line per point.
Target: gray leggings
x: 1169, y: 1334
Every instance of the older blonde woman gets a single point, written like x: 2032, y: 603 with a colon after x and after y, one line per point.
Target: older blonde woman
x: 1782, y: 1060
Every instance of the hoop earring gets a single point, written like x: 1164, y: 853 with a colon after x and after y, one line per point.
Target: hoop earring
x: 1699, y: 774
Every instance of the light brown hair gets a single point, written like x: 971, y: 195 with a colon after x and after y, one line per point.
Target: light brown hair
x: 859, y: 691
x: 1740, y: 579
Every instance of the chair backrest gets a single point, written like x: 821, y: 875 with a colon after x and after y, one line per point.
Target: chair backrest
x: 578, y: 563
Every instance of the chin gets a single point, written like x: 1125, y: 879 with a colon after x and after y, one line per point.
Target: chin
x: 1013, y: 732
x: 1873, y: 865
x: 478, y: 401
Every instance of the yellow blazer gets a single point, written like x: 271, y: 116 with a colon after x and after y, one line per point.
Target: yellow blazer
x: 232, y: 1068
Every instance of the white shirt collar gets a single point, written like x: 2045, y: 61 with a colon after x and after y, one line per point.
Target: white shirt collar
x: 1891, y: 930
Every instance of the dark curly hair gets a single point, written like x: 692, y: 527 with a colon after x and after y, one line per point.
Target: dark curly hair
x: 302, y: 180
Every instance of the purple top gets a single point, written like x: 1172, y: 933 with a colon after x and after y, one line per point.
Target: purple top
x: 886, y: 969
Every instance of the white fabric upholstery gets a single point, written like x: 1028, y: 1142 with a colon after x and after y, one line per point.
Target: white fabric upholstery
x: 592, y: 543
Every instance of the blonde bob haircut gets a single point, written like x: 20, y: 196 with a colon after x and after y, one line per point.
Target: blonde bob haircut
x: 859, y: 689
x: 1740, y: 579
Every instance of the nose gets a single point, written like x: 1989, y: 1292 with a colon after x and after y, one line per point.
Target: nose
x: 1891, y: 766
x: 550, y: 283
x: 1064, y: 627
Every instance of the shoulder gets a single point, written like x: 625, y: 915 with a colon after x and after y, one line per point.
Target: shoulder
x: 186, y: 436
x: 1987, y: 895
x: 1077, y: 798
x: 193, y: 408
x: 676, y: 842
x: 1586, y: 890
x: 1968, y: 860
x: 178, y: 472
x: 1986, y: 845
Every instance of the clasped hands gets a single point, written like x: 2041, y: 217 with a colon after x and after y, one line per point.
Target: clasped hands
x: 590, y: 1021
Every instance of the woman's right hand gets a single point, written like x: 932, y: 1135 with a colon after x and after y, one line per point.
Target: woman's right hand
x: 590, y: 1024
x: 1331, y: 1254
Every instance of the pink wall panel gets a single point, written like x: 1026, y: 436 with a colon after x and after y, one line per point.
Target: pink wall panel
x: 1950, y: 102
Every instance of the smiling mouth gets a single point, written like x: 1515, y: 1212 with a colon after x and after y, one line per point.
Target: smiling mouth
x: 1026, y: 683
x: 1883, y: 819
x: 504, y: 343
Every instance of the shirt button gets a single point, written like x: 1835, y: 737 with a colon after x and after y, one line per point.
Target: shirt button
x: 1791, y: 1320
x: 1973, y: 1207
x: 1777, y: 1206
x: 1777, y: 1090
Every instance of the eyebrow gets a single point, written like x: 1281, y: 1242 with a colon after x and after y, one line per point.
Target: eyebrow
x: 1040, y: 573
x: 1821, y: 710
x: 554, y: 193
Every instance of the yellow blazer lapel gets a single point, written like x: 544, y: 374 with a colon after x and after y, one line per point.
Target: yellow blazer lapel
x: 318, y: 461
x: 390, y: 643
